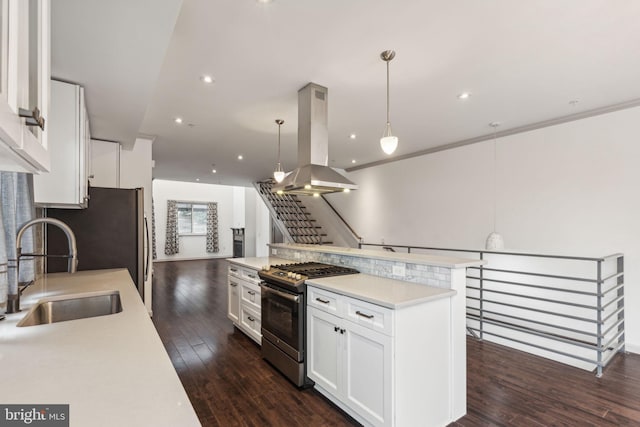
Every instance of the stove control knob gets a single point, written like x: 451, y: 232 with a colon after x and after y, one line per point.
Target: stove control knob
x: 266, y: 267
x: 298, y: 276
x: 290, y: 274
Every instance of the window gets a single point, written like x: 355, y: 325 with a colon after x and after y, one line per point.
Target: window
x: 192, y: 218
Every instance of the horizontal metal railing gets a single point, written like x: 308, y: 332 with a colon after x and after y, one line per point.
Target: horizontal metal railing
x: 571, y: 306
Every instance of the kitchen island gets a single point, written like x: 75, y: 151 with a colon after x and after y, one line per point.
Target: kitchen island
x: 387, y: 345
x: 112, y: 370
x: 444, y: 272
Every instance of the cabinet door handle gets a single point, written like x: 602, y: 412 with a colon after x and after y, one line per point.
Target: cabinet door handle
x: 251, y: 319
x: 251, y: 292
x: 366, y: 316
x: 251, y: 276
x: 233, y: 269
x: 32, y: 118
x: 342, y: 331
x: 324, y: 301
x: 336, y: 329
x: 233, y: 284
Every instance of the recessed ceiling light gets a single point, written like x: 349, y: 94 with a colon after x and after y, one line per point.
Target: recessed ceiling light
x: 264, y: 1
x: 352, y: 136
x: 240, y: 157
x: 198, y: 179
x: 464, y: 95
x: 353, y: 161
x: 178, y: 120
x: 207, y: 78
x: 214, y: 171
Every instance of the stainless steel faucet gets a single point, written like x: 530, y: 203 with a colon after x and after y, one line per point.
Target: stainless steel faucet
x: 13, y: 305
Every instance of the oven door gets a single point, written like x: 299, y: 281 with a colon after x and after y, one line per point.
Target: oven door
x: 282, y: 319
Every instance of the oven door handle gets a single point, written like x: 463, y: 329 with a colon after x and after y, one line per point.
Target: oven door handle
x: 289, y: 297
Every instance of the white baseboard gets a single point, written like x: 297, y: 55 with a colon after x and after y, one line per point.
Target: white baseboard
x: 632, y: 348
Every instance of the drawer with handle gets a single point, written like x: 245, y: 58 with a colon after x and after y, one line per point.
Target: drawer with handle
x: 369, y: 315
x: 323, y: 300
x: 244, y: 273
x: 250, y: 322
x: 250, y: 294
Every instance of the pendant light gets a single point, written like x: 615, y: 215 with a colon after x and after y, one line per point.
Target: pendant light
x: 278, y: 174
x: 494, y: 242
x: 388, y: 142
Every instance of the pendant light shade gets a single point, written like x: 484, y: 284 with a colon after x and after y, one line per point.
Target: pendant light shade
x: 494, y: 242
x: 388, y: 142
x: 278, y: 174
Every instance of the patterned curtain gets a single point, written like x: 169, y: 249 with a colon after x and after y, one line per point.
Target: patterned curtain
x: 212, y: 228
x: 172, y: 243
x: 153, y: 231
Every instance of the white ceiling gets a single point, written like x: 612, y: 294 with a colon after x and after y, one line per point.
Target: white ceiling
x: 523, y: 62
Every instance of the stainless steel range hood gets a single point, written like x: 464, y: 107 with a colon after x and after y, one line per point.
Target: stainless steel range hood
x: 313, y: 176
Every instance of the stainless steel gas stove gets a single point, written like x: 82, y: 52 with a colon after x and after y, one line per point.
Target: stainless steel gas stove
x: 292, y: 276
x: 284, y: 314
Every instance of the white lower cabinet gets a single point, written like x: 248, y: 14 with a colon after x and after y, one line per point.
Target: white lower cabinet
x: 367, y: 373
x: 233, y: 300
x: 244, y: 301
x: 383, y: 366
x: 351, y: 362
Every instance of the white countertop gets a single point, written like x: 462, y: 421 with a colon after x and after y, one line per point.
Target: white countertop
x: 256, y: 263
x: 112, y: 370
x: 435, y: 260
x: 390, y: 293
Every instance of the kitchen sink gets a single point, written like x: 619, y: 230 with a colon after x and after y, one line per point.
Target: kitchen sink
x: 73, y: 308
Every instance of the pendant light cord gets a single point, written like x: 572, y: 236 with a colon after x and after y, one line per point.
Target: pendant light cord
x: 279, y: 143
x: 279, y: 122
x: 495, y: 192
x: 388, y: 121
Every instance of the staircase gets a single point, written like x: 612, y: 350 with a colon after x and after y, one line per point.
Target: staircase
x: 291, y: 216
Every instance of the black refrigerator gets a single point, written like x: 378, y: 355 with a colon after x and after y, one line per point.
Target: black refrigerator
x: 110, y: 233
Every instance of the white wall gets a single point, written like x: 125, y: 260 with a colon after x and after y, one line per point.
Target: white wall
x: 263, y: 226
x: 194, y: 247
x: 256, y: 223
x: 569, y: 189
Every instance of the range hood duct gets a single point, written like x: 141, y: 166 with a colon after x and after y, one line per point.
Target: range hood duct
x: 313, y: 175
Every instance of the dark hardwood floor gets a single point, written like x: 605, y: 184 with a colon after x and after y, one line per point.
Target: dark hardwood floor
x: 230, y: 385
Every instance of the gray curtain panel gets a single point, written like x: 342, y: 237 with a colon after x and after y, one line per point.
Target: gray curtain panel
x: 17, y: 208
x: 212, y: 228
x: 172, y: 243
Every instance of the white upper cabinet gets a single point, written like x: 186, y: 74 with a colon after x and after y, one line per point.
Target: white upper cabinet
x: 25, y: 69
x: 66, y: 184
x: 105, y: 164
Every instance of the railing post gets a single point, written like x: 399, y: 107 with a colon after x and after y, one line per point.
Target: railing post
x: 599, y: 324
x: 481, y: 297
x: 620, y: 271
